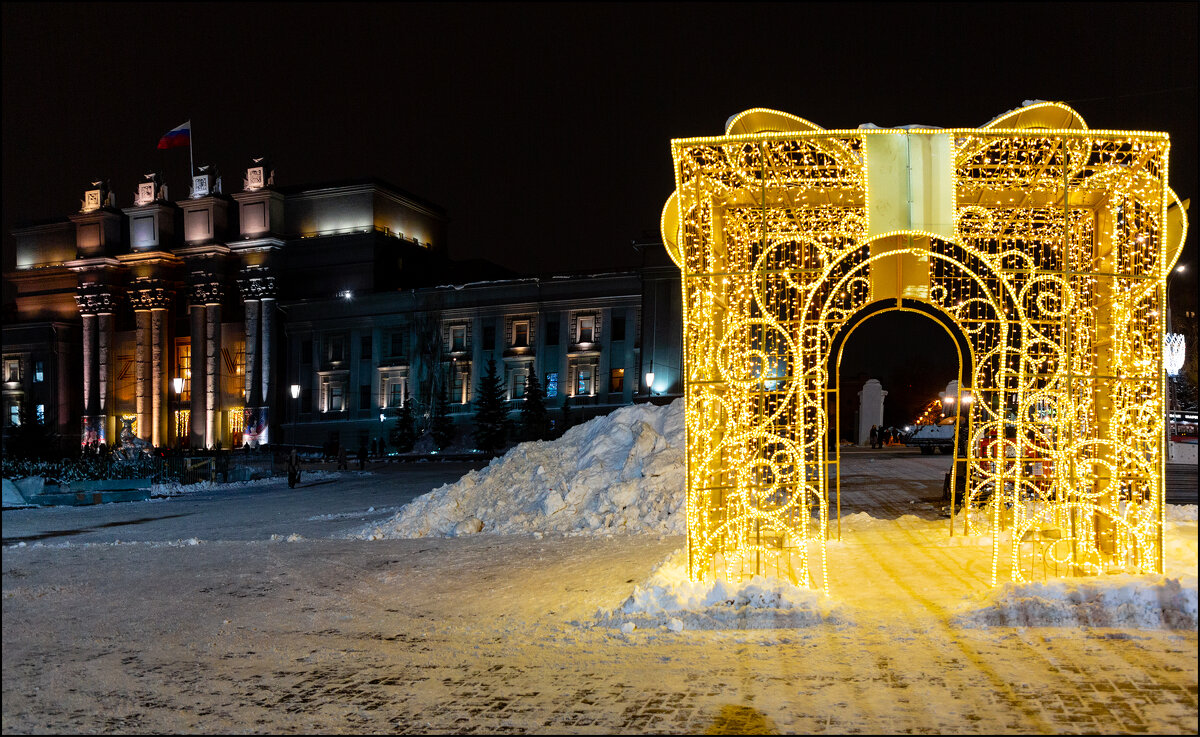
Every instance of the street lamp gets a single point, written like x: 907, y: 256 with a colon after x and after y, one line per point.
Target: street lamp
x: 295, y: 411
x: 177, y: 383
x: 1173, y: 358
x: 649, y: 383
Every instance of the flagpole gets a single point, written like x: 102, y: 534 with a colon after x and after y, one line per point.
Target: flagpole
x: 191, y: 156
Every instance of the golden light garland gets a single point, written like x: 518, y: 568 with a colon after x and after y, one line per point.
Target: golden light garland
x: 1041, y: 245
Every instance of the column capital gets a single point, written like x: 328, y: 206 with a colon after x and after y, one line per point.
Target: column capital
x: 149, y: 294
x: 207, y: 292
x: 94, y: 299
x: 256, y: 283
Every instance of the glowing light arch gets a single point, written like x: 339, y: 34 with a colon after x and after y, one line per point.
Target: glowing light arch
x: 1046, y: 247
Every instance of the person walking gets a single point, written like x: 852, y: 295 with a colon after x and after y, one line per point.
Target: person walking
x: 874, y: 436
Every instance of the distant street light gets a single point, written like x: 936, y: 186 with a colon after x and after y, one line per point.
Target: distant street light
x: 295, y: 411
x: 649, y: 383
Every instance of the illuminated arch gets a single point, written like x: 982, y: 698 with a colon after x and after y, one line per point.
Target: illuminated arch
x: 1052, y: 271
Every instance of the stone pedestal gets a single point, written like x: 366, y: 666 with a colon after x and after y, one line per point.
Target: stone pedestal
x: 870, y: 410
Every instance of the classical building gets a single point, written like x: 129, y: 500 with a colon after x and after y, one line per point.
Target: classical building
x: 189, y: 322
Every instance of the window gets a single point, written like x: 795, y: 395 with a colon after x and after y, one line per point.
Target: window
x: 39, y: 372
x: 520, y: 337
x: 460, y: 388
x: 12, y: 369
x: 587, y: 329
x: 583, y: 382
x: 183, y: 363
x: 41, y: 414
x: 365, y: 353
x: 397, y: 344
x: 14, y: 415
x: 616, y: 380
x: 364, y: 396
x: 396, y: 394
x: 519, y: 380
x: 552, y: 333
x: 335, y: 349
x: 458, y: 338
x: 489, y: 337
x: 552, y: 383
x: 337, y: 397
x: 618, y: 328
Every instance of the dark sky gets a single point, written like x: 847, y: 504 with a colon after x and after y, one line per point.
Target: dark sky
x: 543, y: 129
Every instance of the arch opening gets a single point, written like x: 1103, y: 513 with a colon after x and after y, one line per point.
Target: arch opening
x: 917, y: 358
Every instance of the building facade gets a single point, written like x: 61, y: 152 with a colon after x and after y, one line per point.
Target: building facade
x: 189, y: 322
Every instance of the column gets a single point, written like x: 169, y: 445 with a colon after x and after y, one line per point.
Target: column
x: 89, y: 365
x: 267, y: 350
x: 158, y: 375
x: 105, y: 359
x: 212, y: 370
x: 143, y: 359
x: 198, y: 423
x: 253, y: 396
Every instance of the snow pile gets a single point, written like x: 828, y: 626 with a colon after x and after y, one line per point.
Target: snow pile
x: 669, y: 600
x: 621, y: 473
x: 1107, y: 601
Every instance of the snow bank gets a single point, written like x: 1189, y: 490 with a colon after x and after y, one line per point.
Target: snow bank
x: 621, y: 473
x: 669, y: 600
x: 1107, y: 601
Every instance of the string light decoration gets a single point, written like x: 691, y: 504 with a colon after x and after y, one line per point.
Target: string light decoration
x: 1041, y: 245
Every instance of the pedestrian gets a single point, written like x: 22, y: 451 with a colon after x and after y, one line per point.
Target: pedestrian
x: 341, y: 458
x: 362, y: 457
x: 293, y: 469
x: 874, y: 436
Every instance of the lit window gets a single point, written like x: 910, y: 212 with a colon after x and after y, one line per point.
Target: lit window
x: 396, y: 394
x: 458, y: 338
x: 583, y: 384
x: 41, y: 414
x: 519, y: 380
x: 616, y: 380
x: 521, y: 334
x: 337, y: 397
x: 552, y: 384
x: 39, y: 372
x: 14, y: 415
x: 587, y: 329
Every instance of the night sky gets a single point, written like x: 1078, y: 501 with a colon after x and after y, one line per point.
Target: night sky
x: 543, y: 129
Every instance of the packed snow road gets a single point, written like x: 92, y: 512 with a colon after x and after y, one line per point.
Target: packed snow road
x: 253, y: 610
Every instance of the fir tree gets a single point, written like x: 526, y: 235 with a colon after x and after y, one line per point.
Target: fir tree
x: 404, y: 434
x: 491, y: 426
x: 440, y: 424
x: 535, y: 420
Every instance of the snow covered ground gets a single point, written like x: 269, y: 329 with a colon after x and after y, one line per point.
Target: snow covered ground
x: 624, y: 474
x: 274, y: 614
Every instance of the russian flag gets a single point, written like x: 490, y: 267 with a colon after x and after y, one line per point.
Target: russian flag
x: 180, y: 135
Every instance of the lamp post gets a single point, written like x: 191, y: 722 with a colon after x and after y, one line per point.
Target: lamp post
x: 295, y: 411
x: 1174, y: 345
x: 649, y: 383
x: 177, y: 383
